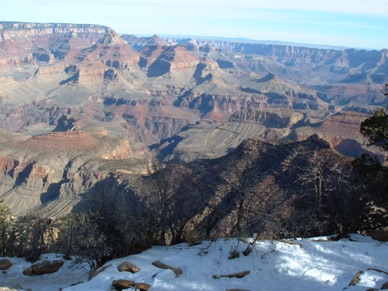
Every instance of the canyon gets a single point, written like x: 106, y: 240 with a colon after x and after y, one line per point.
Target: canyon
x: 80, y: 103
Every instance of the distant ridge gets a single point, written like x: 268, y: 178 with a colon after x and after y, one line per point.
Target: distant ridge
x: 253, y: 41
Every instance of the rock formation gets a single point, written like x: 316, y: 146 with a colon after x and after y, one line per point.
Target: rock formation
x: 51, y: 171
x: 80, y: 102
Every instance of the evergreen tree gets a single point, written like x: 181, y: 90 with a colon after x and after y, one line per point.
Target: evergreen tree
x: 5, y: 225
x: 373, y: 175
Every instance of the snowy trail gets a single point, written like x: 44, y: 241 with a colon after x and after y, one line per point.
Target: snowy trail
x: 272, y: 265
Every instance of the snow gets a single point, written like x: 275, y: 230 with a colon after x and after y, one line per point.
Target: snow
x: 303, y: 264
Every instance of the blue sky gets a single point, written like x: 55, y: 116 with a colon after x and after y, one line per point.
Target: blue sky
x: 350, y: 23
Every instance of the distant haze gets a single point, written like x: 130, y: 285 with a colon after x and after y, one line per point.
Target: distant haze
x: 348, y: 23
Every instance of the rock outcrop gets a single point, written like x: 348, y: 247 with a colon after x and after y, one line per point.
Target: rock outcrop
x: 342, y: 131
x: 53, y: 170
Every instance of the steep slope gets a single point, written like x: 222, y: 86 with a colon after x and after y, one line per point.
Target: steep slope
x: 274, y: 189
x: 341, y: 77
x: 51, y: 172
x: 206, y: 141
x: 342, y: 130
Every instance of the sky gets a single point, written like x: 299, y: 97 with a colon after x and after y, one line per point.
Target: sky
x: 348, y: 23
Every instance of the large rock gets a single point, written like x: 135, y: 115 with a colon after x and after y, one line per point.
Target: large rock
x: 45, y: 267
x: 5, y: 264
x: 142, y: 286
x: 128, y: 267
x: 122, y: 284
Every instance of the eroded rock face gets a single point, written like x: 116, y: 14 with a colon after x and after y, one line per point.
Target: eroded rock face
x: 172, y: 59
x: 58, y: 167
x: 342, y: 131
x: 62, y: 141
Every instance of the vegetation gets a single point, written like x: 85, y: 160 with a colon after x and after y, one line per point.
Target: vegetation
x: 372, y: 174
x: 375, y: 128
x: 5, y: 222
x: 268, y: 191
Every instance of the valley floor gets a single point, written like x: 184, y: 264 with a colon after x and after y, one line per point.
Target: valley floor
x: 306, y: 264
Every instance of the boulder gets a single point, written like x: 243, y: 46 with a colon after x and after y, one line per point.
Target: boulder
x: 28, y: 272
x: 385, y: 286
x: 142, y: 286
x: 5, y: 264
x: 128, y: 267
x: 122, y: 284
x: 45, y: 267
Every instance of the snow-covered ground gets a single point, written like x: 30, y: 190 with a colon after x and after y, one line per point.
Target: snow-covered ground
x: 310, y: 264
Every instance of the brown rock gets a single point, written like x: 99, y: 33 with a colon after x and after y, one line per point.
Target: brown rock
x: 238, y: 275
x: 122, y: 284
x: 385, y: 286
x: 65, y: 141
x: 128, y: 267
x: 5, y: 264
x: 160, y: 265
x: 380, y: 235
x: 142, y: 286
x: 28, y: 272
x: 356, y: 279
x: 45, y: 267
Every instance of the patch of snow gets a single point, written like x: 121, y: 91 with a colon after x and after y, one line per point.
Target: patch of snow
x: 273, y: 265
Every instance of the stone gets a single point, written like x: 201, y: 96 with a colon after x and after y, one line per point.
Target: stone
x: 238, y: 275
x: 122, y: 284
x: 45, y: 267
x: 385, y: 286
x: 128, y: 267
x: 142, y: 286
x: 356, y: 279
x: 28, y: 272
x: 5, y: 264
